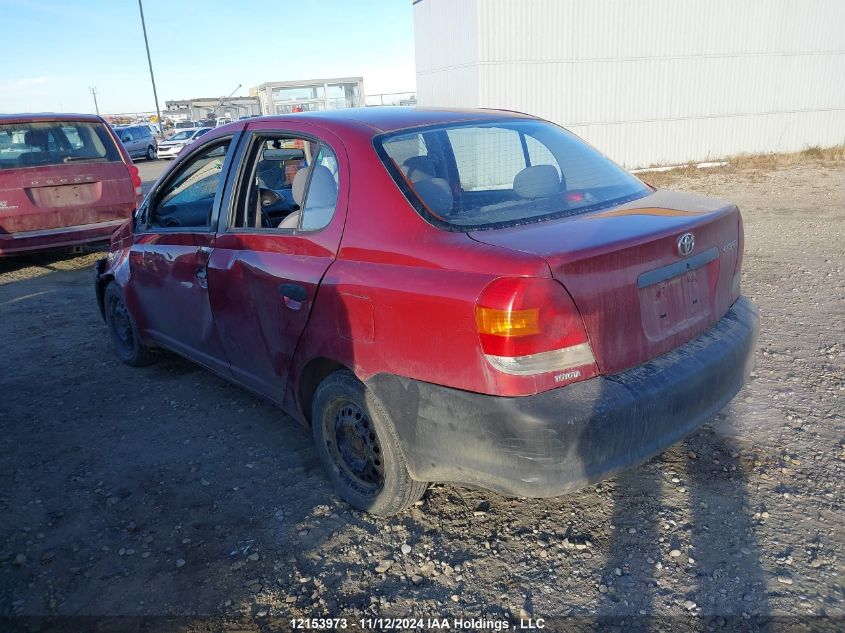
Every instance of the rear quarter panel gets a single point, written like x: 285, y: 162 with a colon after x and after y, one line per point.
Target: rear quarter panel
x: 400, y: 298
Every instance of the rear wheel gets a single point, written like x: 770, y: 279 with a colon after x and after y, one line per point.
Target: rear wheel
x: 359, y: 449
x: 151, y: 153
x: 122, y: 328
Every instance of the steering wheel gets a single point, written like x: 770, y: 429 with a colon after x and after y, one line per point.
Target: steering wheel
x: 268, y: 197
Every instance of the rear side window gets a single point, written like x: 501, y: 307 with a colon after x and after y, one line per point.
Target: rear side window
x: 38, y: 144
x: 473, y: 176
x: 289, y: 184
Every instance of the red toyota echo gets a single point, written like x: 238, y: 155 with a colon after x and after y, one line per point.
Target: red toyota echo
x: 475, y: 296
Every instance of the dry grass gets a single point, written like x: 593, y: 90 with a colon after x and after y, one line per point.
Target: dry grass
x: 830, y: 156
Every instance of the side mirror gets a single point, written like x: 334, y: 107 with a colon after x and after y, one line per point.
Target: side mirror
x: 139, y: 218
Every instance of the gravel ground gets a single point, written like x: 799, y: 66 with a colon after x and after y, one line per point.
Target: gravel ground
x: 166, y: 491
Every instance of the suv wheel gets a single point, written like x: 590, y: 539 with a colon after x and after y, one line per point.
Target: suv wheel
x: 151, y: 153
x: 359, y: 449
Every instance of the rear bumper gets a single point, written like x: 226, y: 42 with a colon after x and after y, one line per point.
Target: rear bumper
x: 61, y: 237
x: 560, y: 440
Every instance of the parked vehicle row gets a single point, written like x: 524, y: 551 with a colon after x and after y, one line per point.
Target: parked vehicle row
x: 451, y: 296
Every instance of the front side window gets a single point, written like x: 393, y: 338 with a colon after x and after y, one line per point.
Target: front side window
x: 473, y: 176
x: 55, y: 142
x: 288, y: 184
x: 187, y: 199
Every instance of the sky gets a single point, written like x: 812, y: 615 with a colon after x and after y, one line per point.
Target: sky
x: 55, y: 50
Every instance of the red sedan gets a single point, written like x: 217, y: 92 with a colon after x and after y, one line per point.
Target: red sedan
x: 475, y: 297
x: 65, y: 181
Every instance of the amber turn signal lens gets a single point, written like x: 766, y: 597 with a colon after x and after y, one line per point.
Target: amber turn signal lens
x: 507, y: 322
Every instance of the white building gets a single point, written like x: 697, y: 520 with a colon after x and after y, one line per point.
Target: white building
x: 646, y: 81
x: 284, y: 97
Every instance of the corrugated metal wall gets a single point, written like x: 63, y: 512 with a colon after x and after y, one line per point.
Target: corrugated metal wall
x: 646, y: 81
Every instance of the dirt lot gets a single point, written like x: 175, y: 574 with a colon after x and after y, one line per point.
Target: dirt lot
x: 166, y: 491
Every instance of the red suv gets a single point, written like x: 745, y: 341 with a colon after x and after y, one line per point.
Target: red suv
x: 65, y: 180
x: 457, y: 296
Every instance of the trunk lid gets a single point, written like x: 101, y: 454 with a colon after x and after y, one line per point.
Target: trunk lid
x: 638, y: 295
x: 70, y: 194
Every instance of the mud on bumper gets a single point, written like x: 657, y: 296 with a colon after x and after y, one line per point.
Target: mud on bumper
x: 560, y: 440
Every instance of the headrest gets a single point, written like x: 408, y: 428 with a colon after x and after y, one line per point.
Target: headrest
x: 322, y: 192
x: 35, y: 138
x: 538, y: 181
x: 298, y: 185
x: 436, y: 194
x: 418, y: 168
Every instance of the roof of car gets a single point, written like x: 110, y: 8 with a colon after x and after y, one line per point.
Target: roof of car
x: 391, y: 118
x: 25, y: 117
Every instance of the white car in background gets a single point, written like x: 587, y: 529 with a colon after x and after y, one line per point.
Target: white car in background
x: 173, y: 145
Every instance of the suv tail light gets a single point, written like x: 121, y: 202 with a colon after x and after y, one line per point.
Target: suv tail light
x: 136, y: 178
x: 531, y: 326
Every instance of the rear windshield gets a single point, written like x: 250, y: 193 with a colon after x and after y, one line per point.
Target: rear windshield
x: 54, y: 142
x: 473, y: 176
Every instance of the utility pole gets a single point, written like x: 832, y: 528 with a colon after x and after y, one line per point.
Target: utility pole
x: 93, y: 90
x: 150, y: 62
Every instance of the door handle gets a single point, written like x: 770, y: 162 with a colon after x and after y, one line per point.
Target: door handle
x: 294, y: 295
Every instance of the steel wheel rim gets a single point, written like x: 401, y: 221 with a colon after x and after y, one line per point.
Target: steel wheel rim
x: 121, y: 324
x: 353, y: 445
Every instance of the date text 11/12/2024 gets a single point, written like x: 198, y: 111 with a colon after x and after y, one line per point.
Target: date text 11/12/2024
x: 404, y: 624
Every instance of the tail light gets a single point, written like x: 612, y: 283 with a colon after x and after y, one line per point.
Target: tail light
x: 531, y: 326
x: 136, y: 179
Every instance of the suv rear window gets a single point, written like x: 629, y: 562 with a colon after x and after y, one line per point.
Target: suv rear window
x: 54, y: 142
x: 472, y: 176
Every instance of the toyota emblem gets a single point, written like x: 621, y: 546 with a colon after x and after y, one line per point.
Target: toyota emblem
x: 685, y: 244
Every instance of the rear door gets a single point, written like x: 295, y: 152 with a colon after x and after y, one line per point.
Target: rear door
x: 168, y: 286
x: 274, y: 246
x: 61, y: 173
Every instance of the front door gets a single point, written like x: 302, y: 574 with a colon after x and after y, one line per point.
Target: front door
x: 168, y: 286
x: 280, y: 235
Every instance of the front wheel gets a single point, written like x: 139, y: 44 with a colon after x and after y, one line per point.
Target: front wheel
x: 359, y: 449
x: 122, y: 328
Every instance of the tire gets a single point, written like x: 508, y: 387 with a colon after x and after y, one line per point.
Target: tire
x: 359, y: 448
x: 123, y: 329
x: 151, y: 153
